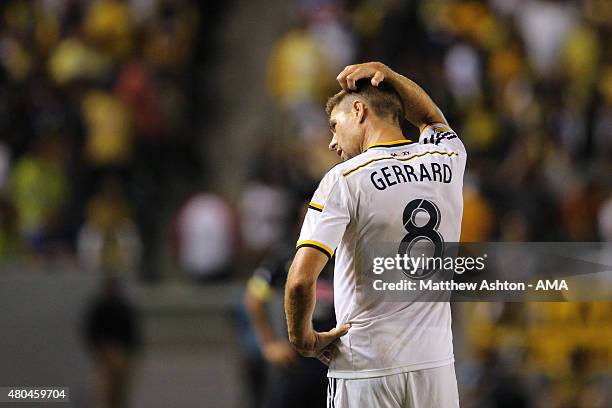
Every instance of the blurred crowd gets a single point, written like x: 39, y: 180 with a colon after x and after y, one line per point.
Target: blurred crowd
x: 97, y: 122
x: 536, y: 354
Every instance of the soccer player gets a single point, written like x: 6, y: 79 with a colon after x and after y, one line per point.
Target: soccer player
x: 387, y: 189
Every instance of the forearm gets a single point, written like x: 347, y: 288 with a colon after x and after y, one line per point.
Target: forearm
x: 419, y: 108
x: 300, y: 298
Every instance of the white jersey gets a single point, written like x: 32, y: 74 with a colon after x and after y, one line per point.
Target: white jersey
x: 360, y: 203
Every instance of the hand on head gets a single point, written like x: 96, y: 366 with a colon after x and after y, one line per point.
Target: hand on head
x: 349, y: 76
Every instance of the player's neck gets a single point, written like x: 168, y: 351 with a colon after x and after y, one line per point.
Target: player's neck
x: 381, y: 132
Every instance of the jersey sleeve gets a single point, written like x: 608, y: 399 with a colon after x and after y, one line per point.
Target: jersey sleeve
x: 327, y: 216
x: 440, y: 135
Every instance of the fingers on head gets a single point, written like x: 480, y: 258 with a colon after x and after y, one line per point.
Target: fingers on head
x: 377, y: 78
x: 347, y: 70
x: 350, y: 80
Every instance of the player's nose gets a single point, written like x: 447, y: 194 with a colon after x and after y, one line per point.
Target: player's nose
x: 333, y: 144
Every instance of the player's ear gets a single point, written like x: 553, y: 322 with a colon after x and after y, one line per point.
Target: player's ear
x: 359, y: 110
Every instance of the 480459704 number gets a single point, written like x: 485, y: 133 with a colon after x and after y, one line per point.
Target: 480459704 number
x: 29, y: 394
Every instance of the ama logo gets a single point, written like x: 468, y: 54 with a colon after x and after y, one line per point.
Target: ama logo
x: 545, y: 284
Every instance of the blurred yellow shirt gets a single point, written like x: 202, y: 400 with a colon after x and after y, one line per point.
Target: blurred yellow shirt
x: 109, y: 24
x: 108, y: 128
x: 297, y: 69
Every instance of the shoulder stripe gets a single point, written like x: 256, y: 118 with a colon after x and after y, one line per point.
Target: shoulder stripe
x: 414, y: 156
x: 316, y: 245
x: 346, y: 173
x: 315, y: 206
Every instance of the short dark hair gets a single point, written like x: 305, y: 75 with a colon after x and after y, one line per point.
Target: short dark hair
x: 383, y: 99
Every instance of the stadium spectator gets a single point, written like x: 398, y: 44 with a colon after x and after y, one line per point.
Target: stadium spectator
x: 40, y: 189
x: 109, y: 240
x: 112, y: 335
x: 206, y: 240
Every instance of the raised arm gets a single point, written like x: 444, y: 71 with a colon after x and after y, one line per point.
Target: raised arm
x: 419, y: 108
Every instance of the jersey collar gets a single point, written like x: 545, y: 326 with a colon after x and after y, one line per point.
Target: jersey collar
x: 394, y: 143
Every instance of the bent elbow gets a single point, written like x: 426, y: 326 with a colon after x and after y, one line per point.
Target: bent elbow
x: 298, y: 286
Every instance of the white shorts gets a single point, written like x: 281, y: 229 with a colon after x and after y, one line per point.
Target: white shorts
x: 429, y: 388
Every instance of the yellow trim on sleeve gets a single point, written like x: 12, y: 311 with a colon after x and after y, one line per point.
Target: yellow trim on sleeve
x: 316, y: 244
x: 315, y: 206
x: 260, y: 288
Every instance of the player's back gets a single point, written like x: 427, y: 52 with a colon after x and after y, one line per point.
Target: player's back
x: 423, y: 181
x: 398, y: 194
